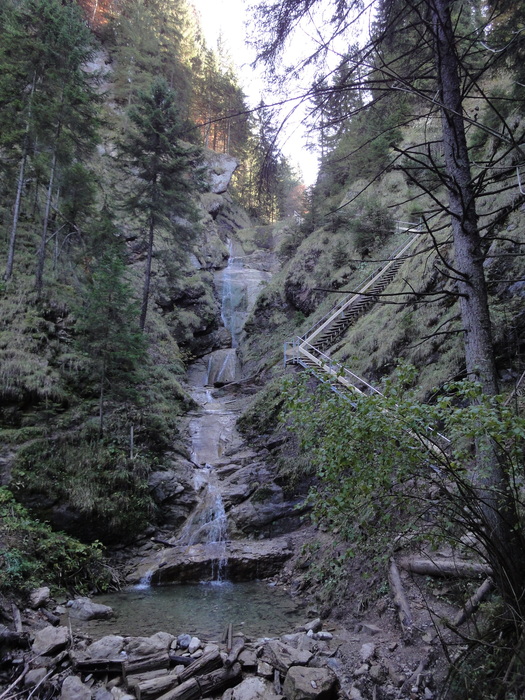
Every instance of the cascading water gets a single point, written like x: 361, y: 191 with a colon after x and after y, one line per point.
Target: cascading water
x: 207, y: 525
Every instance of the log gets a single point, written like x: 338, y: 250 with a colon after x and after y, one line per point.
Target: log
x: 229, y: 637
x: 190, y: 690
x: 206, y: 663
x: 113, y: 667
x: 17, y: 619
x: 446, y: 567
x: 400, y: 599
x: 473, y: 602
x: 148, y: 663
x: 180, y: 660
x: 154, y: 687
x: 237, y: 647
x: 220, y: 680
x: 203, y: 686
x: 14, y: 639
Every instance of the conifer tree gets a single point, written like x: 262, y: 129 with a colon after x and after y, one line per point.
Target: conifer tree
x: 108, y: 329
x: 166, y: 171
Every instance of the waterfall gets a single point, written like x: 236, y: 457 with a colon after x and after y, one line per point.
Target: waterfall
x: 207, y: 525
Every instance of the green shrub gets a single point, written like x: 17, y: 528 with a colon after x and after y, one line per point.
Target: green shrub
x: 32, y: 554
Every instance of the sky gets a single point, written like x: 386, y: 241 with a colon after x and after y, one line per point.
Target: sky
x: 229, y: 17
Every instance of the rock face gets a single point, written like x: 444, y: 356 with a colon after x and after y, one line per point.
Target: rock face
x: 221, y: 167
x: 246, y: 559
x: 39, y: 597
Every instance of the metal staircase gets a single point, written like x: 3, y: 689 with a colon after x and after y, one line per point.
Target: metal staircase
x: 308, y: 350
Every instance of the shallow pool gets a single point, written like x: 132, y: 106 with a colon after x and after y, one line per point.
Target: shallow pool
x: 204, y: 610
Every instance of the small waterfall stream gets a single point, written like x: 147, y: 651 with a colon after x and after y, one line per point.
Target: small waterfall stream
x: 212, y: 426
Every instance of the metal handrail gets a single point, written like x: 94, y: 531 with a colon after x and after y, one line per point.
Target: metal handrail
x: 347, y: 301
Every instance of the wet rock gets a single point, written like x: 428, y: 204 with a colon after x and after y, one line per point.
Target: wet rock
x: 74, y: 689
x: 108, y: 647
x: 304, y: 683
x: 281, y: 656
x: 39, y: 597
x: 50, y: 640
x: 86, y: 609
x: 252, y: 688
x: 247, y: 560
x: 174, y: 493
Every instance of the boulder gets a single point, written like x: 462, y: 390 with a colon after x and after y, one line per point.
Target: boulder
x: 304, y: 683
x: 281, y: 656
x: 252, y: 688
x: 86, y: 609
x: 221, y: 167
x: 50, y: 640
x: 148, y: 646
x: 74, y: 689
x: 108, y: 647
x: 39, y: 597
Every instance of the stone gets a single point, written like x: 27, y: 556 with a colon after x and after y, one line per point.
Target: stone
x: 211, y: 647
x: 324, y: 636
x: 50, y: 640
x: 264, y: 669
x: 377, y: 673
x: 39, y: 597
x: 354, y: 694
x: 281, y: 656
x: 34, y: 677
x: 367, y: 651
x: 248, y: 658
x: 304, y: 683
x: 108, y: 647
x: 74, y: 689
x: 370, y: 628
x: 102, y: 694
x: 148, y: 646
x: 314, y: 625
x: 252, y: 688
x: 292, y: 639
x: 119, y: 694
x: 183, y: 641
x: 86, y: 609
x: 361, y: 671
x: 194, y: 644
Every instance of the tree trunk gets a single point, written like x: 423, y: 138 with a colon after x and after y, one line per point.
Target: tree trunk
x: 147, y: 273
x: 19, y: 188
x: 496, y: 505
x: 41, y: 257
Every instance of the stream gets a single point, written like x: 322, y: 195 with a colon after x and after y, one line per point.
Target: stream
x: 205, y: 609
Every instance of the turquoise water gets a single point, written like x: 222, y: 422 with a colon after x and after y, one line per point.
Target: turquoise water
x: 204, y: 610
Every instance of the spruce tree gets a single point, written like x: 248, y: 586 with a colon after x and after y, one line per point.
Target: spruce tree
x: 165, y: 171
x: 108, y: 330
